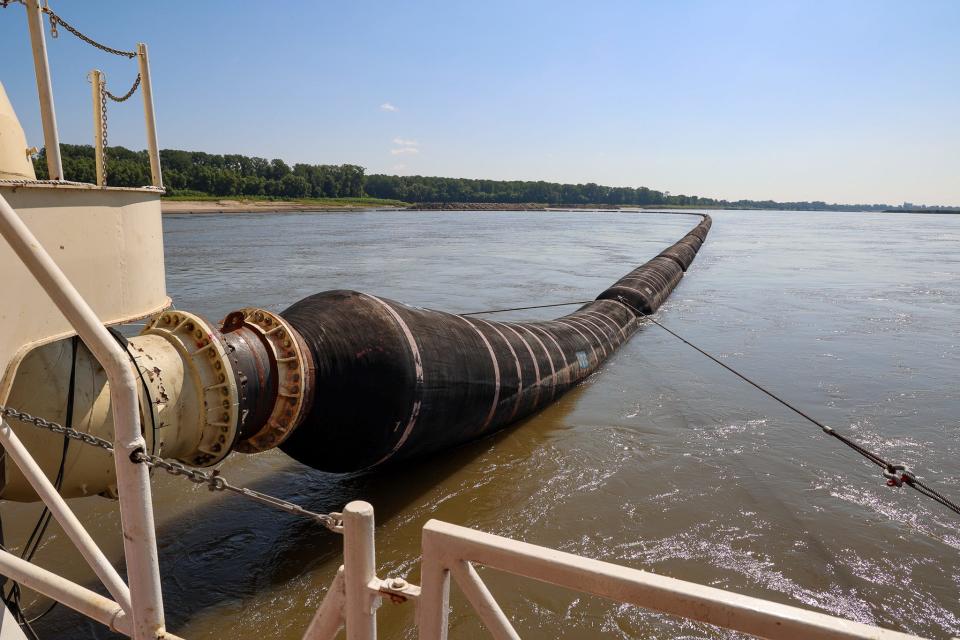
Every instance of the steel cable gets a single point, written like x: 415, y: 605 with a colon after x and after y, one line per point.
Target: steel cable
x: 539, y: 306
x: 905, y: 477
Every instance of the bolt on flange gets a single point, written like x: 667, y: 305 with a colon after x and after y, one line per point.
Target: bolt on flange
x: 204, y: 353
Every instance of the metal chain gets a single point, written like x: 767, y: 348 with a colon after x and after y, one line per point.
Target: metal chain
x: 213, y: 480
x: 103, y: 125
x: 69, y: 432
x: 56, y: 20
x: 126, y: 96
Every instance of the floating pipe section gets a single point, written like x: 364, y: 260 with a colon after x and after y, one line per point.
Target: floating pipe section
x: 341, y: 381
x: 394, y: 382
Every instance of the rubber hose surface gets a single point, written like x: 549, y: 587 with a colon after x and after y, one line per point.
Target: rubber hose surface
x: 395, y: 382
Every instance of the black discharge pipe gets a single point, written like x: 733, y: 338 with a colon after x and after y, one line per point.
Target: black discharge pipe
x: 395, y: 382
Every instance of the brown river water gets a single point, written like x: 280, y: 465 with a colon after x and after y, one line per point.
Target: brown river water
x: 661, y: 460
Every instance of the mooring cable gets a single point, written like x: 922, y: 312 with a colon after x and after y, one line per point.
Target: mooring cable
x: 896, y: 474
x: 539, y: 306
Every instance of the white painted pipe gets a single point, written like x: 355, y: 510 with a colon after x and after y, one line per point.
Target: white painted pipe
x: 434, y: 605
x: 96, y: 79
x: 64, y: 515
x: 133, y: 480
x: 9, y: 629
x: 359, y: 571
x: 482, y: 601
x: 80, y: 599
x: 328, y: 619
x: 146, y: 87
x: 41, y: 66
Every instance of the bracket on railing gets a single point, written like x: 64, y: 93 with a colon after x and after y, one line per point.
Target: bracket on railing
x: 356, y: 592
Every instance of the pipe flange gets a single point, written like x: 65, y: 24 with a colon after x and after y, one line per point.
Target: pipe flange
x: 295, y: 377
x: 206, y: 357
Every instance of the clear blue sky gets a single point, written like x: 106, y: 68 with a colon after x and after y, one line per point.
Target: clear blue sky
x: 848, y: 101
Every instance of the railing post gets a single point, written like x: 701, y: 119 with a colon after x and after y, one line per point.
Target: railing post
x: 155, y: 173
x: 359, y: 564
x: 434, y: 590
x: 96, y: 79
x: 41, y: 66
x: 133, y: 480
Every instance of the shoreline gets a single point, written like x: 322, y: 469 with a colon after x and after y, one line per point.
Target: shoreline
x: 212, y: 207
x: 235, y: 206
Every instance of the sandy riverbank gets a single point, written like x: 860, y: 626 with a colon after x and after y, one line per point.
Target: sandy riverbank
x: 280, y: 206
x: 254, y: 206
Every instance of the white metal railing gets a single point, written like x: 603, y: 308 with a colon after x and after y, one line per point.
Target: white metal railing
x: 100, y: 94
x: 149, y: 116
x: 133, y: 481
x: 450, y: 550
x: 48, y: 115
x: 41, y: 66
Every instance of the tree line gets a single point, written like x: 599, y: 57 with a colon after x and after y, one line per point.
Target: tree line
x: 431, y: 189
x: 199, y: 173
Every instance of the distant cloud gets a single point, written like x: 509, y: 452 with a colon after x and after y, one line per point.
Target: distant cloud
x: 405, y: 147
x: 386, y: 106
x: 399, y: 168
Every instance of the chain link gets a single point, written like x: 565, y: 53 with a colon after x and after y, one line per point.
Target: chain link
x: 213, y: 480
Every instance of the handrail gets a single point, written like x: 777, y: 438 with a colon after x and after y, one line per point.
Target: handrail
x: 133, y: 480
x: 48, y: 116
x: 100, y: 95
x: 450, y: 548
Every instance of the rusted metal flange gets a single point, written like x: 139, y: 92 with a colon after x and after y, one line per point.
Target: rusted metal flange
x: 294, y: 374
x: 205, y: 355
